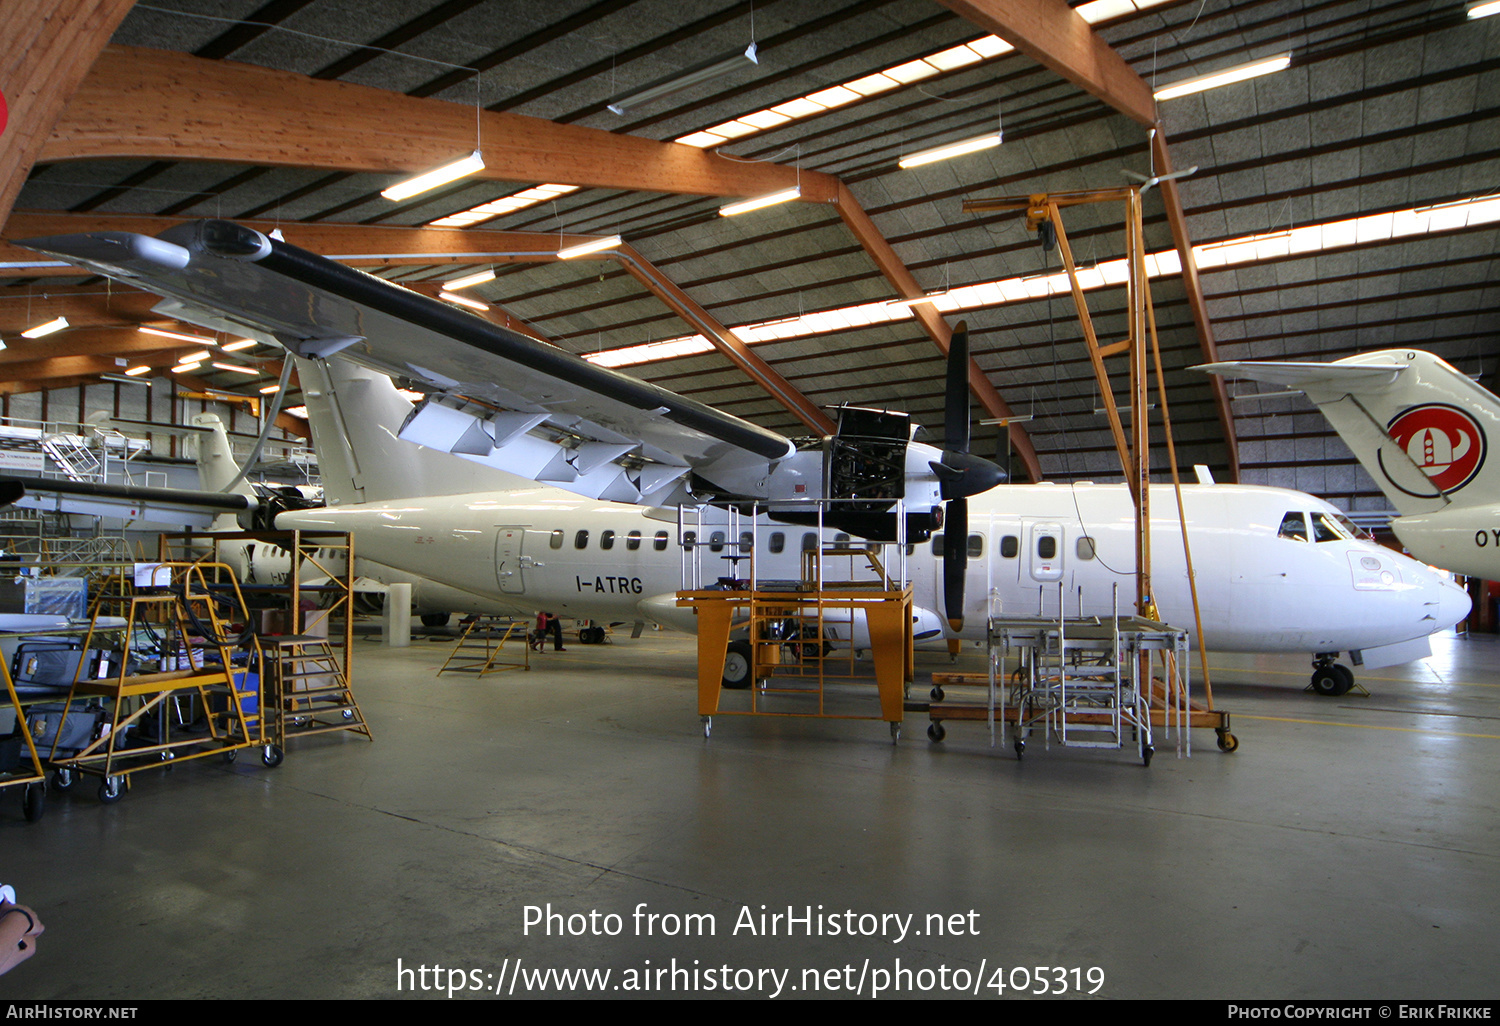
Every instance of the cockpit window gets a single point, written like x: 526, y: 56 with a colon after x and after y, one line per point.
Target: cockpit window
x: 1352, y: 529
x: 1325, y: 528
x: 1294, y: 526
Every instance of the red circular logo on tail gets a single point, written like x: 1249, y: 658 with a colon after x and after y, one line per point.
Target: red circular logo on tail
x: 1444, y: 441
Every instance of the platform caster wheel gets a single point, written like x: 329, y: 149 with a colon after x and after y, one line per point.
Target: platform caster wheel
x: 229, y: 756
x: 708, y: 726
x: 1020, y: 749
x: 936, y: 731
x: 272, y: 755
x: 1228, y: 742
x: 1146, y: 754
x: 936, y: 693
x: 168, y: 756
x: 895, y: 732
x: 348, y: 714
x: 111, y: 790
x: 63, y: 779
x: 34, y: 801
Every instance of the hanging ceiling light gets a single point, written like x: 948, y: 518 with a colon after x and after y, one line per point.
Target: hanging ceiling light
x: 57, y: 324
x: 592, y: 246
x: 1238, y: 73
x: 123, y: 379
x: 177, y: 334
x: 472, y: 304
x: 759, y: 202
x: 137, y: 371
x: 244, y: 343
x: 477, y: 278
x: 957, y: 149
x: 698, y: 73
x: 432, y: 179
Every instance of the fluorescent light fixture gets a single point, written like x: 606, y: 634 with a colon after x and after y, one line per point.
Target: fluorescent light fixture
x: 197, y: 357
x: 432, y: 179
x: 957, y: 149
x: 698, y: 73
x: 1484, y: 10
x: 244, y: 343
x: 177, y: 334
x: 46, y: 329
x: 1239, y: 73
x: 472, y: 304
x: 137, y: 371
x: 269, y: 389
x: 183, y: 368
x: 122, y: 379
x: 769, y: 200
x: 917, y: 301
x: 236, y: 368
x: 593, y: 246
x: 478, y: 278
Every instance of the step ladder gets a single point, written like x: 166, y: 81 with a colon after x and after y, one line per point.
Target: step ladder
x: 309, y: 688
x: 483, y: 642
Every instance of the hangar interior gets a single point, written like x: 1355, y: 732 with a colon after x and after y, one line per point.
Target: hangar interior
x: 1338, y: 205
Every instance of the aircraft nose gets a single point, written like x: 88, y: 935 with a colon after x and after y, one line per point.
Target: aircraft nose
x: 1453, y: 602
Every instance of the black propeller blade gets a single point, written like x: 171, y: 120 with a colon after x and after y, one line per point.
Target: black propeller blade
x: 960, y: 475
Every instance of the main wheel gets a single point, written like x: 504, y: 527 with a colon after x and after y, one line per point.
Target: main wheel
x: 34, y: 801
x: 737, y: 664
x: 435, y: 619
x: 1329, y: 682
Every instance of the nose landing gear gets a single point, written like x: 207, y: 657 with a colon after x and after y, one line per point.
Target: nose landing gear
x: 1329, y: 678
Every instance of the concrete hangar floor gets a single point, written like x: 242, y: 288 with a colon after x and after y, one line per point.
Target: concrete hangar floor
x: 1349, y: 849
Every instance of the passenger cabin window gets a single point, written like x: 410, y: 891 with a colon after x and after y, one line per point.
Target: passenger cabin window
x: 809, y: 541
x: 1325, y: 528
x: 688, y: 538
x: 581, y: 540
x: 976, y: 546
x: 937, y: 545
x: 556, y: 540
x: 607, y: 540
x: 1086, y: 547
x: 633, y: 540
x: 747, y: 541
x: 660, y: 541
x: 716, y: 542
x: 1046, y: 547
x: 778, y: 541
x: 1294, y: 526
x: 1010, y: 547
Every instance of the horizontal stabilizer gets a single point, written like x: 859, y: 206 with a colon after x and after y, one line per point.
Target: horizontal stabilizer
x: 1350, y: 377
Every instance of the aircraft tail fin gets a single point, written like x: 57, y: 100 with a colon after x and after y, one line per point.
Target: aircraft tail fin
x: 1419, y: 426
x: 355, y: 415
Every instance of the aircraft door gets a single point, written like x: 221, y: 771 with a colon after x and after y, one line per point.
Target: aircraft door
x: 509, y: 562
x: 1044, y: 552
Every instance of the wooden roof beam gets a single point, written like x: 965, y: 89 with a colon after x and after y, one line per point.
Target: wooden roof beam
x: 46, y: 49
x: 157, y: 104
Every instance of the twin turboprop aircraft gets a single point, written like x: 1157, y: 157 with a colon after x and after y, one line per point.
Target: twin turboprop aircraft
x: 590, y: 531
x: 1422, y: 429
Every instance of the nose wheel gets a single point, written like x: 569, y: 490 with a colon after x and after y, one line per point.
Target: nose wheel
x: 1331, y: 679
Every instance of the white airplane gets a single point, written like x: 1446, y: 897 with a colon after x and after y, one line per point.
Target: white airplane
x: 593, y: 437
x: 1422, y: 429
x: 257, y: 562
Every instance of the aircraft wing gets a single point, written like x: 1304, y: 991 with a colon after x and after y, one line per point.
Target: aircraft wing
x: 174, y: 508
x: 494, y: 395
x: 1361, y: 377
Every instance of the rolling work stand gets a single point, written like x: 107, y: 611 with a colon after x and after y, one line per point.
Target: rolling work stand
x: 483, y: 641
x: 166, y: 609
x: 27, y: 772
x: 309, y: 691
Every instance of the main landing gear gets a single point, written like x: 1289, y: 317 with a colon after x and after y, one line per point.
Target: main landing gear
x: 1330, y: 678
